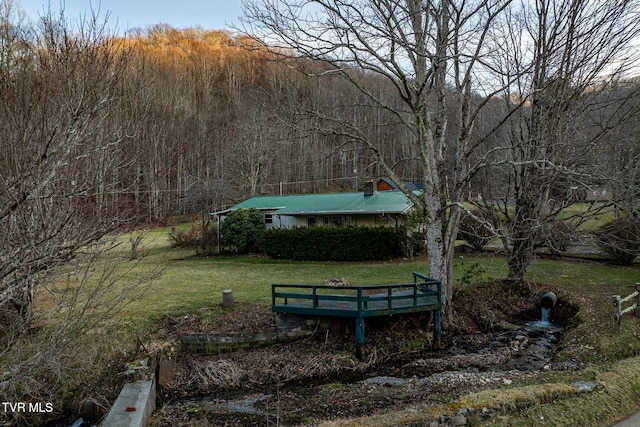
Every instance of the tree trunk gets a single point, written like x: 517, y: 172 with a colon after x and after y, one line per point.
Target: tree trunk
x: 521, y: 255
x: 527, y: 224
x: 440, y: 263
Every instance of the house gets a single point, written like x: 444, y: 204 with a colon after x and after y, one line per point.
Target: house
x: 385, y: 184
x: 369, y: 208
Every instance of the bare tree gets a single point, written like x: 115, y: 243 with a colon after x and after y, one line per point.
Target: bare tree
x: 431, y: 54
x: 57, y: 161
x: 60, y: 164
x: 560, y: 58
x: 62, y: 358
x: 619, y: 175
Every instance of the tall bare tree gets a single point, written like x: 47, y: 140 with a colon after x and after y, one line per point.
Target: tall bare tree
x: 60, y: 165
x: 562, y: 57
x: 619, y: 175
x: 431, y: 54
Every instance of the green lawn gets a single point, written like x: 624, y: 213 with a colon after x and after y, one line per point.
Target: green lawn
x: 595, y: 214
x: 189, y: 283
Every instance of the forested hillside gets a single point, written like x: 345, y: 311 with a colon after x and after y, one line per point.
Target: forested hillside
x: 195, y: 121
x: 214, y: 119
x: 224, y: 120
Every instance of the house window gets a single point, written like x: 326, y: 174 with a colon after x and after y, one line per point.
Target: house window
x: 268, y: 218
x: 335, y: 221
x: 311, y: 221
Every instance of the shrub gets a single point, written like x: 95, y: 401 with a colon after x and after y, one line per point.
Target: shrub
x: 474, y: 232
x: 201, y: 238
x: 620, y: 240
x: 242, y: 229
x: 184, y: 238
x: 556, y: 235
x: 415, y: 243
x: 207, y: 242
x: 334, y: 243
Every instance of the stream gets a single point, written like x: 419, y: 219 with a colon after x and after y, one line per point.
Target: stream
x: 486, y: 360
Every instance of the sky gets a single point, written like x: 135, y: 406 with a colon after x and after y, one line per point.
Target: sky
x: 129, y: 14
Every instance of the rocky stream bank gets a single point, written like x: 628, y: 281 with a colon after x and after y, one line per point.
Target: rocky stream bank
x: 490, y: 344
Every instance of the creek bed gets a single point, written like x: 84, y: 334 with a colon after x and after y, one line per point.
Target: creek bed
x: 471, y: 362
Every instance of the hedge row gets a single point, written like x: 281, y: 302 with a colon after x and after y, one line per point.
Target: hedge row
x: 334, y: 243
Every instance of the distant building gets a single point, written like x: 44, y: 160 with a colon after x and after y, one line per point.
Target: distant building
x: 598, y: 194
x: 385, y: 184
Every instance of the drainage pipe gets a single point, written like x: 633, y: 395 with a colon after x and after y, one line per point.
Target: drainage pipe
x: 548, y: 300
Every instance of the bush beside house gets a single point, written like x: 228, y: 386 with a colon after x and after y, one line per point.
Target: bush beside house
x: 202, y: 238
x: 334, y: 243
x: 241, y: 229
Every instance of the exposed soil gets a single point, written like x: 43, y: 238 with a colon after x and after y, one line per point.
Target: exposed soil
x: 486, y: 345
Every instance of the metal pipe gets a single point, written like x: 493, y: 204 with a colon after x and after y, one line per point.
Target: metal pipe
x: 548, y: 300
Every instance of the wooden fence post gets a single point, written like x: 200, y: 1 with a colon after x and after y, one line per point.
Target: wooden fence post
x: 638, y: 300
x: 617, y: 312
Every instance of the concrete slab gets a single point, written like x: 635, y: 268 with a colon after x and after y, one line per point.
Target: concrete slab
x: 134, y: 405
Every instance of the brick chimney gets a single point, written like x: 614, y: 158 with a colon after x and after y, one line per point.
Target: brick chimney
x: 368, y: 188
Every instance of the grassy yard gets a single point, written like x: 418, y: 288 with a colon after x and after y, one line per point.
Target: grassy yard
x: 188, y: 284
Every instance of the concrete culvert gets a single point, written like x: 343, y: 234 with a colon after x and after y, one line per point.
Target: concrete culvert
x: 548, y: 300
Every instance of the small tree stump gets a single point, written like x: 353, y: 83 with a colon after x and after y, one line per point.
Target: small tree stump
x: 227, y: 298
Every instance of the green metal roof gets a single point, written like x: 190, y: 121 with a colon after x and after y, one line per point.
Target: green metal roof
x: 331, y: 203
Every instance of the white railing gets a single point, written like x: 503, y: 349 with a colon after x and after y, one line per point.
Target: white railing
x: 618, y: 310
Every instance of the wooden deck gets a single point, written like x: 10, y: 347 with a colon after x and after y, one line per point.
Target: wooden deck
x: 359, y: 302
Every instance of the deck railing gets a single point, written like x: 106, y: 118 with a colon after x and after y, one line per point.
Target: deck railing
x: 427, y: 284
x: 358, y: 300
x: 424, y: 294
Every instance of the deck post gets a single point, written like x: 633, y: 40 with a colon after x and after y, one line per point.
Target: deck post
x: 437, y: 332
x: 315, y: 297
x: 360, y: 338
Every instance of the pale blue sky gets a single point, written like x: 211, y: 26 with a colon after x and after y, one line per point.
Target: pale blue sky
x: 129, y: 14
